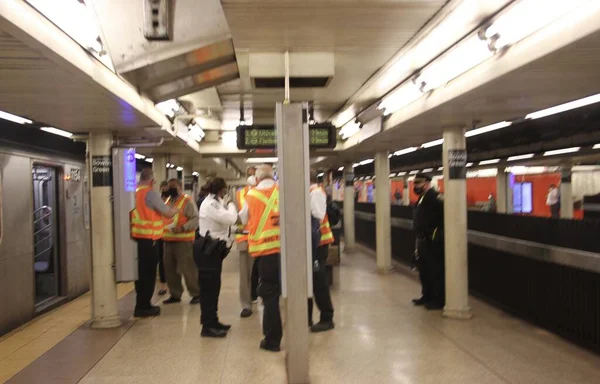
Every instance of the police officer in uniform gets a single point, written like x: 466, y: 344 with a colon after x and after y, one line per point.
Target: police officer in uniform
x: 429, y: 247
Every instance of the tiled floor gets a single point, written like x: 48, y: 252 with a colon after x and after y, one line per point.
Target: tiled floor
x: 22, y: 346
x: 379, y: 338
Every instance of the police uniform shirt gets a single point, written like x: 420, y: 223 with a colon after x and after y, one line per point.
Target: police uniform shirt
x: 429, y: 212
x: 318, y: 202
x: 217, y: 219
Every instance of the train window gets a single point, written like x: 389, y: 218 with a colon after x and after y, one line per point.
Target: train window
x: 1, y: 231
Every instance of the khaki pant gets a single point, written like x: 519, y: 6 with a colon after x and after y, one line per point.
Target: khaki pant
x: 179, y: 260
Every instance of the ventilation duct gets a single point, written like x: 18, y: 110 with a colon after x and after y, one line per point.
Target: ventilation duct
x: 307, y: 69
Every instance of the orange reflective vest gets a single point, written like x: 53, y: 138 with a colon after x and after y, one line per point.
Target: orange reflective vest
x: 145, y: 223
x: 241, y: 198
x: 263, y: 224
x: 326, y: 233
x: 179, y: 219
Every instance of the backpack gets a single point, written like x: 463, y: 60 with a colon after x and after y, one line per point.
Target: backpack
x: 333, y: 213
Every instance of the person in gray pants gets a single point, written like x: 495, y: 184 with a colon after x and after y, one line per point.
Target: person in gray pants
x: 246, y: 261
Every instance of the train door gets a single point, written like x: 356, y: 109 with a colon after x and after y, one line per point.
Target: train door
x: 45, y: 234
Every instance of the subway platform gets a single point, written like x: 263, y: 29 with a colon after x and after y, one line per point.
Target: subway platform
x: 379, y: 338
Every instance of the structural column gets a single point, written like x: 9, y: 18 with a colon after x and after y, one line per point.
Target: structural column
x: 159, y: 166
x: 566, y: 192
x: 383, y: 207
x: 349, y: 234
x: 406, y: 194
x: 455, y: 224
x: 104, y: 289
x: 501, y: 191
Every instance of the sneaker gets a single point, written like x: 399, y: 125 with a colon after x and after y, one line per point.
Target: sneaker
x: 213, y: 332
x: 246, y: 312
x: 172, y: 300
x: 195, y: 300
x: 322, y: 326
x: 272, y: 348
x: 147, y: 312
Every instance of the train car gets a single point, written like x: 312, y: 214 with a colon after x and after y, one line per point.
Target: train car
x: 44, y: 223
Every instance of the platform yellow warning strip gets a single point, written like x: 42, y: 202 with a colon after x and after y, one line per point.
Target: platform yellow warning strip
x: 25, y: 344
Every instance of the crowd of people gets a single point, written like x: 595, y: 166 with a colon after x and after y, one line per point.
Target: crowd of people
x: 190, y: 240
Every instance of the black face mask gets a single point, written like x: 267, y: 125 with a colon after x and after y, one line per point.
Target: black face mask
x: 164, y: 194
x: 418, y: 190
x: 173, y: 192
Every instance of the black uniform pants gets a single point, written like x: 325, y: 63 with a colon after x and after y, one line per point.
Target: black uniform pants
x: 321, y: 292
x: 269, y: 288
x: 161, y: 263
x: 431, y: 271
x: 147, y: 262
x: 210, y: 289
x: 254, y: 280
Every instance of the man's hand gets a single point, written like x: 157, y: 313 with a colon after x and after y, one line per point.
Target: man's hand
x: 177, y: 229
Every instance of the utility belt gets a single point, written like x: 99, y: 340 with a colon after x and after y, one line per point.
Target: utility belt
x: 209, y: 253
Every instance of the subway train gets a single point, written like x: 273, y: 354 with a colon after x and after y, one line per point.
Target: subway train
x: 44, y: 223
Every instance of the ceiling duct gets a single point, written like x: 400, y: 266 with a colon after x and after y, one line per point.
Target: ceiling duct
x: 307, y: 69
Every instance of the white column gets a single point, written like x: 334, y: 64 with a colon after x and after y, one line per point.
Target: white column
x: 406, y: 194
x: 159, y: 167
x: 566, y: 192
x: 349, y: 234
x: 501, y: 191
x: 104, y: 289
x: 295, y: 234
x: 383, y: 207
x: 455, y: 224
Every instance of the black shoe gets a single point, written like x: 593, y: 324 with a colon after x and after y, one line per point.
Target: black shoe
x: 162, y: 292
x: 172, y: 300
x: 264, y: 345
x: 420, y: 301
x: 322, y: 326
x: 224, y: 327
x: 434, y: 306
x: 195, y: 300
x: 310, y: 323
x: 147, y: 312
x: 246, y: 312
x: 213, y: 332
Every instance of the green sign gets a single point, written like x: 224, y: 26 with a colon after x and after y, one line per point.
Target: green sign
x: 265, y: 137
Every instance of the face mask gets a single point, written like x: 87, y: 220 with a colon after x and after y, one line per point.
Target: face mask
x: 418, y: 190
x: 173, y: 192
x: 164, y: 194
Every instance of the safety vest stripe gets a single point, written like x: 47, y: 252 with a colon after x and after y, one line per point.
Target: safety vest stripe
x: 270, y: 204
x: 264, y: 247
x: 260, y: 196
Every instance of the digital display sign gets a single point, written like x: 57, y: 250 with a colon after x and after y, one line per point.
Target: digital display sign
x: 265, y: 136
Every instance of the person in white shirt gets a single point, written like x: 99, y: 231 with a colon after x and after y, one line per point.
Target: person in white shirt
x: 217, y: 215
x: 553, y: 201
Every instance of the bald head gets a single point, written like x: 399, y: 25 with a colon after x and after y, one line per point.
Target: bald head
x: 264, y: 172
x: 147, y: 177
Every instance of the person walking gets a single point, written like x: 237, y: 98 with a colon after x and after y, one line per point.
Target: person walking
x: 147, y: 229
x: 261, y: 214
x: 429, y: 249
x: 178, y: 239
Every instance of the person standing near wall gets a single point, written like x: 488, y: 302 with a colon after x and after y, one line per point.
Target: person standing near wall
x: 553, y: 201
x: 429, y: 247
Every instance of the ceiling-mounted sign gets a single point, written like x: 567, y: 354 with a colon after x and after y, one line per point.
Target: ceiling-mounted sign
x: 264, y: 136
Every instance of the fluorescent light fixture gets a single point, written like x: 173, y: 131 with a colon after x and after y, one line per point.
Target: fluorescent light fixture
x: 392, y: 175
x: 401, y: 174
x: 179, y: 169
x: 413, y: 172
x: 401, y: 97
x: 340, y: 169
x: 149, y: 159
x: 565, y: 107
x: 520, y: 157
x: 562, y: 151
x: 457, y: 61
x: 488, y: 128
x: 168, y: 107
x: 229, y: 139
x: 57, y: 131
x: 344, y: 117
x: 433, y: 143
x: 168, y: 165
x: 195, y: 174
x: 405, y: 151
x: 469, y: 165
x: 440, y: 168
x: 426, y: 170
x: 516, y: 23
x: 196, y: 132
x: 321, y: 174
x: 14, y: 118
x: 596, y: 146
x: 172, y: 166
x: 362, y: 178
x: 491, y: 161
x: 261, y: 160
x: 355, y: 165
x: 365, y: 162
x: 349, y: 129
x: 140, y: 156
x: 368, y: 178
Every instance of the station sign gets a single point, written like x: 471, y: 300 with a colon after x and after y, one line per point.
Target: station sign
x: 265, y: 137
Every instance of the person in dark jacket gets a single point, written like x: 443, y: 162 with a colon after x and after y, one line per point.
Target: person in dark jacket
x: 429, y: 247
